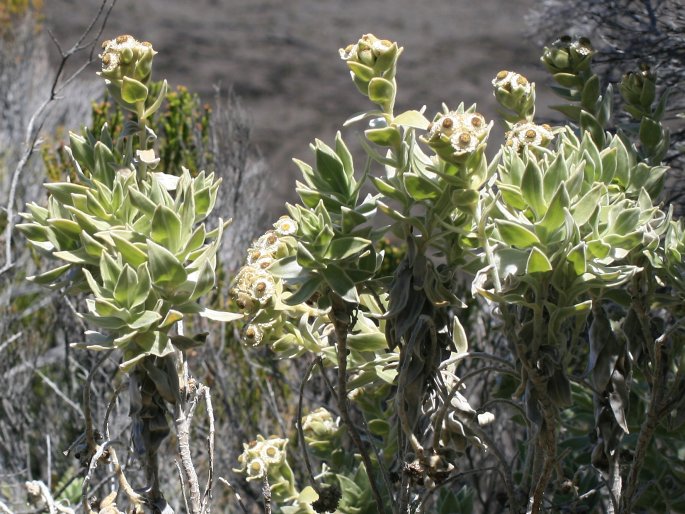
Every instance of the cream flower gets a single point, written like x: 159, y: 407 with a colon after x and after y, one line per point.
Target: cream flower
x: 285, y: 226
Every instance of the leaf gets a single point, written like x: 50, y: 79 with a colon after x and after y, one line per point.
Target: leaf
x: 554, y: 217
x: 532, y: 187
x: 126, y: 287
x: 420, y: 188
x: 586, y: 206
x: 515, y: 235
x: 158, y: 101
x: 538, y: 262
x: 133, y: 91
x: 413, y: 119
x: 367, y: 342
x: 381, y: 91
x: 340, y: 283
x: 590, y: 94
x: 385, y: 136
x: 461, y: 343
x: 577, y: 257
x: 145, y: 320
x: 305, y: 292
x: 165, y: 269
x: 220, y: 315
x: 331, y: 170
x: 129, y: 252
x: 165, y: 228
x: 344, y: 247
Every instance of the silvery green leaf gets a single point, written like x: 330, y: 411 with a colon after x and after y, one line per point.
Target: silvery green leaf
x: 154, y: 343
x: 344, y: 247
x: 515, y: 234
x: 330, y: 168
x: 125, y: 289
x: 532, y: 187
x: 459, y: 338
x: 62, y: 191
x: 141, y: 202
x: 220, y: 315
x: 165, y: 228
x: 49, y: 276
x: 538, y: 262
x: 133, y: 91
x: 414, y: 119
x: 577, y: 257
x: 109, y: 270
x: 145, y: 321
x: 129, y: 251
x: 165, y: 269
x: 586, y: 206
x: 340, y: 283
x: 204, y: 280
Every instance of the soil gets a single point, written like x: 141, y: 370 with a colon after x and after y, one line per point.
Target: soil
x: 281, y: 57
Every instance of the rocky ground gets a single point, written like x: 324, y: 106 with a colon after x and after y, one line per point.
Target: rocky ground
x: 281, y: 57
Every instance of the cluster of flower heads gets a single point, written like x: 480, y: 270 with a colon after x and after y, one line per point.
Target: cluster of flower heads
x: 526, y: 133
x: 456, y: 135
x: 262, y: 457
x: 254, y: 287
x: 367, y: 50
x: 124, y: 56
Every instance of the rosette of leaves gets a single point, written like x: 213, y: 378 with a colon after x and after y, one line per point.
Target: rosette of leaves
x: 334, y: 237
x: 139, y: 246
x: 570, y: 216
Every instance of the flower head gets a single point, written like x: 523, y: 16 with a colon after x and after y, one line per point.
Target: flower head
x: 524, y: 134
x: 456, y: 135
x: 285, y: 226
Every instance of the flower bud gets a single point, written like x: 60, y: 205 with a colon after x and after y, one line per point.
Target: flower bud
x: 514, y: 92
x: 568, y: 55
x: 638, y: 89
x: 372, y: 58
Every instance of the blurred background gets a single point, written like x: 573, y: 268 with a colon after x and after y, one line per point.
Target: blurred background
x: 281, y: 58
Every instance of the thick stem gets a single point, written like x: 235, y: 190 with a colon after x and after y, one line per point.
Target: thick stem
x: 340, y: 317
x: 646, y: 430
x: 183, y: 446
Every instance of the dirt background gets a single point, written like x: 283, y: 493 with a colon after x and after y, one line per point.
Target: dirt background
x: 281, y: 57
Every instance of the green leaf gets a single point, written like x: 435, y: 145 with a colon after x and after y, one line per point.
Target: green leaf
x: 512, y: 196
x: 590, y: 94
x: 165, y: 228
x: 538, y: 262
x: 154, y: 343
x: 158, y: 101
x: 49, y: 277
x: 165, y: 269
x: 331, y: 169
x: 344, y: 247
x: 578, y: 258
x: 586, y: 206
x: 420, y: 188
x: 220, y: 315
x: 554, y: 217
x: 532, y: 187
x: 461, y: 343
x: 516, y: 235
x: 625, y: 221
x: 381, y: 91
x: 556, y: 173
x: 305, y: 292
x: 145, y: 321
x: 412, y: 119
x: 340, y: 283
x: 609, y: 160
x: 344, y: 154
x: 571, y: 111
x: 367, y: 341
x: 110, y: 270
x: 126, y: 287
x: 385, y: 136
x: 133, y: 91
x: 62, y: 191
x: 141, y: 202
x: 206, y: 280
x: 590, y: 124
x: 650, y: 132
x: 129, y: 252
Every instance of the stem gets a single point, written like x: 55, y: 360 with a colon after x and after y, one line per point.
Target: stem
x: 341, y: 323
x: 181, y: 423
x: 646, y: 430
